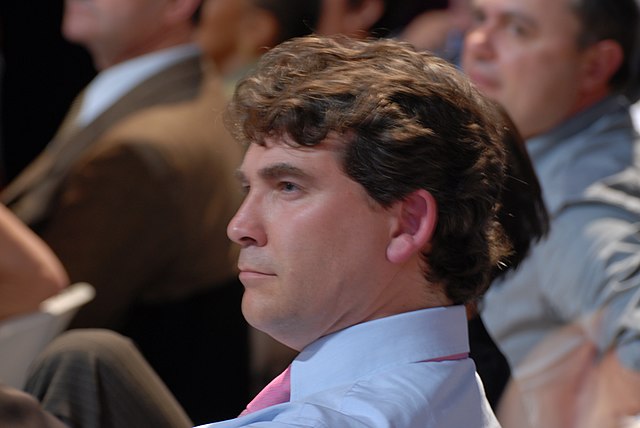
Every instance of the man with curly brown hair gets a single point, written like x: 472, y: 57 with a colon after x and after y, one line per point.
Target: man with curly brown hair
x: 372, y: 178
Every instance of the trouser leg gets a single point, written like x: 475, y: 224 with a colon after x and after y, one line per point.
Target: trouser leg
x: 20, y: 410
x: 97, y: 378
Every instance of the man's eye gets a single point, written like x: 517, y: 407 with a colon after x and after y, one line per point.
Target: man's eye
x: 518, y: 30
x: 287, y: 186
x: 478, y: 17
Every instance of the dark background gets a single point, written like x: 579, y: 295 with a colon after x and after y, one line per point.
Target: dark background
x: 40, y: 77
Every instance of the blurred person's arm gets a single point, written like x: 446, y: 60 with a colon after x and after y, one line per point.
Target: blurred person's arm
x: 604, y: 302
x: 21, y: 410
x: 610, y: 395
x: 29, y: 270
x: 581, y: 390
x: 586, y: 374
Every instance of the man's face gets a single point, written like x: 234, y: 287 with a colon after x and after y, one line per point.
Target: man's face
x: 524, y: 54
x: 350, y: 18
x: 312, y: 244
x: 332, y: 14
x: 114, y: 27
x: 219, y: 32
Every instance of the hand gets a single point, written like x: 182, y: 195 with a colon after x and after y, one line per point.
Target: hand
x: 565, y: 383
x: 610, y: 395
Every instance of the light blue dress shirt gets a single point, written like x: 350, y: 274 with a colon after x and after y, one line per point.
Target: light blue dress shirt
x: 587, y: 271
x: 378, y: 374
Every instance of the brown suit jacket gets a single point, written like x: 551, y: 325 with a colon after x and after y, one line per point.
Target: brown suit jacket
x: 141, y: 213
x: 143, y: 217
x: 137, y: 203
x: 32, y: 195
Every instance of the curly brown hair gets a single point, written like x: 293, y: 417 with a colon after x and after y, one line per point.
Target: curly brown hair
x: 409, y: 121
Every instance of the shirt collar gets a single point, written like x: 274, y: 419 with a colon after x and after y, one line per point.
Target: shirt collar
x: 578, y: 122
x: 595, y: 143
x: 356, y: 351
x: 112, y: 83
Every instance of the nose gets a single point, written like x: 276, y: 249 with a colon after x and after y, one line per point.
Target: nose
x: 246, y: 227
x: 478, y: 43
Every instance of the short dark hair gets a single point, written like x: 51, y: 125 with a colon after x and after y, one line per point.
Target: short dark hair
x: 617, y: 20
x: 523, y: 213
x: 409, y: 121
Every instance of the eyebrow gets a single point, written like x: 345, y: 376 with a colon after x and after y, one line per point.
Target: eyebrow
x: 275, y: 171
x: 517, y: 16
x: 279, y: 170
x: 507, y: 16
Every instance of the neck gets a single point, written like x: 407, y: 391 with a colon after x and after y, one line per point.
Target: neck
x: 108, y: 56
x: 583, y: 103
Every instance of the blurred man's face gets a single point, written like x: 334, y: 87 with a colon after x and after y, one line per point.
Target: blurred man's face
x: 313, y: 244
x: 348, y: 17
x: 219, y: 31
x: 524, y: 54
x: 115, y: 27
x: 332, y: 16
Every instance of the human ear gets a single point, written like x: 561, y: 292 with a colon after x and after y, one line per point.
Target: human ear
x: 601, y: 61
x: 417, y: 216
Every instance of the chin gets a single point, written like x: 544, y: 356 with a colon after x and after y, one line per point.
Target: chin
x: 75, y: 33
x: 277, y: 327
x: 254, y: 310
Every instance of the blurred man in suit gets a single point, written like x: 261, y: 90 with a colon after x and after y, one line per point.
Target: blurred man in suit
x: 135, y: 199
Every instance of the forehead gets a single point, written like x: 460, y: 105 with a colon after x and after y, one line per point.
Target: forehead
x: 320, y: 160
x: 551, y: 14
x: 215, y: 7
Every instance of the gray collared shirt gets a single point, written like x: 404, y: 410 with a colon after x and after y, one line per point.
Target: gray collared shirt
x: 587, y: 271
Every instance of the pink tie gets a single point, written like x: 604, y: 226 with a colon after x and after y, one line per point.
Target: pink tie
x: 278, y: 391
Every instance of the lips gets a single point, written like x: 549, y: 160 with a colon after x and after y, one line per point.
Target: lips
x: 482, y: 80
x: 253, y: 268
x: 252, y: 277
x: 251, y: 271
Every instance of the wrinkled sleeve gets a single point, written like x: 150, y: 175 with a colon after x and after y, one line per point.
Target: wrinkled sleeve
x: 591, y: 276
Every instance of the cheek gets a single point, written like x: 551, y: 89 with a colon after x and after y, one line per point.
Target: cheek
x: 524, y: 79
x: 548, y: 79
x: 316, y: 251
x: 540, y: 64
x: 519, y: 66
x: 348, y: 249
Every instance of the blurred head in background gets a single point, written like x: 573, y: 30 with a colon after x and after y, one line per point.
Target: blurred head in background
x: 117, y: 30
